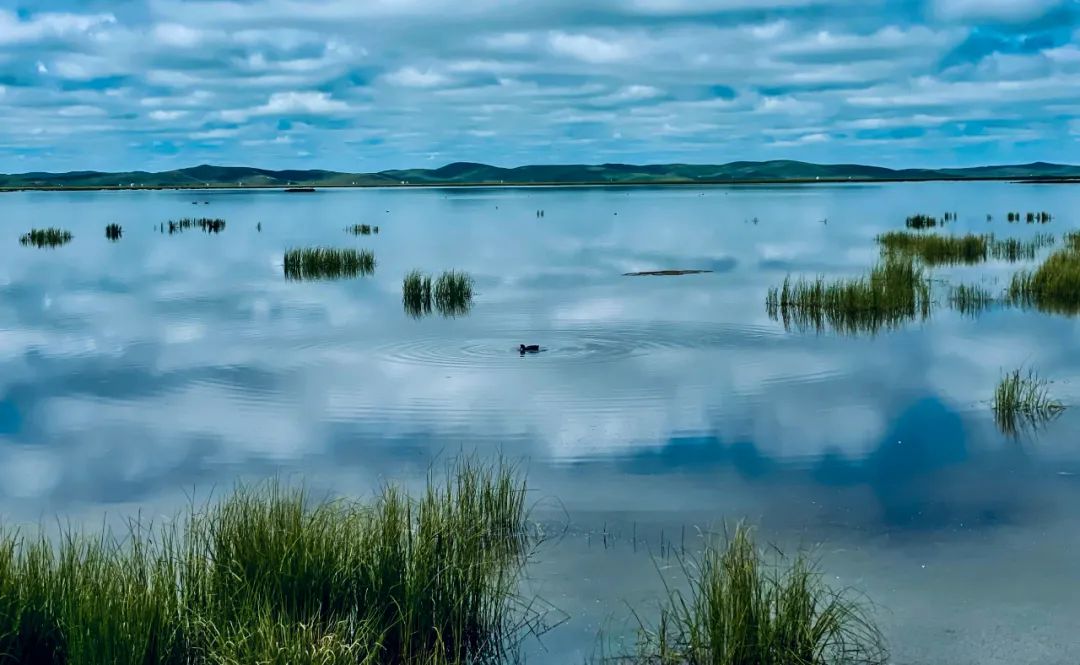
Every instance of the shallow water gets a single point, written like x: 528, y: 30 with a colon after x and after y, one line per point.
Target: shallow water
x: 135, y: 373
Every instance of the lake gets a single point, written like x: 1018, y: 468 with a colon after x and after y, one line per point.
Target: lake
x: 139, y: 373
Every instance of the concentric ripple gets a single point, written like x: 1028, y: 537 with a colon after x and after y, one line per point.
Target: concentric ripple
x: 573, y: 346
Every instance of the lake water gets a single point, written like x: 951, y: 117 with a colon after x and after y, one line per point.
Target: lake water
x: 135, y: 373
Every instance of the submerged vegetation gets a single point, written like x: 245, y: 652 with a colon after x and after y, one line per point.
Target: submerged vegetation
x: 747, y: 606
x: 451, y: 293
x: 51, y: 237
x: 311, y: 263
x: 1042, y: 217
x: 270, y: 575
x: 114, y: 232
x: 893, y: 293
x: 363, y: 229
x: 1023, y: 400
x: 207, y: 224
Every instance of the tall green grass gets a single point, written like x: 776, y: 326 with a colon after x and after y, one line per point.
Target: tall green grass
x: 746, y: 606
x: 51, y: 237
x: 1023, y: 399
x: 270, y: 575
x: 416, y: 294
x: 312, y: 263
x: 451, y: 293
x: 934, y: 250
x: 893, y: 293
x: 1054, y: 286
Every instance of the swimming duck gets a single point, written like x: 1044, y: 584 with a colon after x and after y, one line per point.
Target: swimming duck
x: 531, y: 348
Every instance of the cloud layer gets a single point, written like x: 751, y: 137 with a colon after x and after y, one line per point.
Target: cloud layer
x: 107, y: 84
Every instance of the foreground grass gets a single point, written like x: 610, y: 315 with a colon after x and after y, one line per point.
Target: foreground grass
x: 328, y: 263
x: 747, y: 607
x: 451, y: 293
x: 893, y: 293
x: 271, y: 576
x: 1023, y: 399
x: 51, y: 237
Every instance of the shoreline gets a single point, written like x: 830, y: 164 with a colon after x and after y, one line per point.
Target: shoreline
x: 520, y: 185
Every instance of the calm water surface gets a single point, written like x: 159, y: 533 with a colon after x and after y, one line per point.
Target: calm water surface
x: 135, y: 373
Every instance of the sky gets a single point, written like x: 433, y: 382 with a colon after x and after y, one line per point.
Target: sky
x: 366, y: 85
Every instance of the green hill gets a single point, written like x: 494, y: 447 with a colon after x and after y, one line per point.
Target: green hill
x: 469, y: 173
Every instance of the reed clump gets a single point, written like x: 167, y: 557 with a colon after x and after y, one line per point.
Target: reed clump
x: 934, y: 250
x: 451, y: 293
x: 1054, y: 286
x: 893, y: 293
x: 1014, y: 249
x: 114, y: 232
x: 270, y: 575
x: 920, y: 222
x: 311, y: 263
x: 1022, y: 399
x: 360, y: 229
x: 745, y: 605
x: 50, y: 237
x: 206, y: 224
x: 416, y: 294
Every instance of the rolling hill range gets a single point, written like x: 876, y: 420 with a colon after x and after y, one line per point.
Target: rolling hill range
x: 467, y: 173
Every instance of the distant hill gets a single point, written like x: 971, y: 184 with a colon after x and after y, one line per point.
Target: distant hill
x: 467, y: 173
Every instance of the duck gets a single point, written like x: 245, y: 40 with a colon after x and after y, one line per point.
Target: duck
x: 531, y: 348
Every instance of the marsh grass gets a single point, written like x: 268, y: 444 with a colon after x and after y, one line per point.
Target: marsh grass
x: 748, y: 606
x: 114, y: 232
x: 892, y: 293
x: 1022, y: 399
x: 453, y: 293
x: 970, y: 300
x: 1054, y: 286
x: 270, y: 575
x: 1013, y: 249
x: 206, y: 224
x: 51, y: 237
x: 920, y: 222
x: 360, y: 229
x: 934, y: 250
x: 450, y: 294
x: 416, y: 294
x: 312, y: 263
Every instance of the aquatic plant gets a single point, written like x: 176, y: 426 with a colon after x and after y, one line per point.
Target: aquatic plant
x: 970, y: 299
x: 1023, y: 399
x: 935, y: 250
x: 269, y: 575
x: 208, y: 225
x: 893, y: 293
x: 113, y: 232
x: 51, y: 237
x: 921, y: 222
x: 748, y: 606
x: 360, y: 229
x: 453, y: 293
x: 1013, y: 249
x: 1054, y: 286
x: 327, y: 263
x: 416, y: 293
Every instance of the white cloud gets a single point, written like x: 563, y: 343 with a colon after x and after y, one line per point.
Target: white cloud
x: 588, y: 48
x: 167, y: 116
x: 411, y: 77
x: 1006, y: 11
x: 287, y: 103
x: 14, y: 30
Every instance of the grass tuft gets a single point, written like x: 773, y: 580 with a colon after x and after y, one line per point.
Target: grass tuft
x: 206, y: 224
x: 970, y: 300
x: 416, y: 294
x: 921, y: 222
x: 745, y: 606
x: 1023, y: 399
x: 360, y: 229
x: 934, y: 250
x: 51, y: 237
x: 270, y: 575
x: 451, y: 293
x: 312, y: 263
x: 893, y: 293
x: 114, y: 232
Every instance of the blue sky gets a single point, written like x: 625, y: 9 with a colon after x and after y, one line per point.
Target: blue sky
x: 363, y: 85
